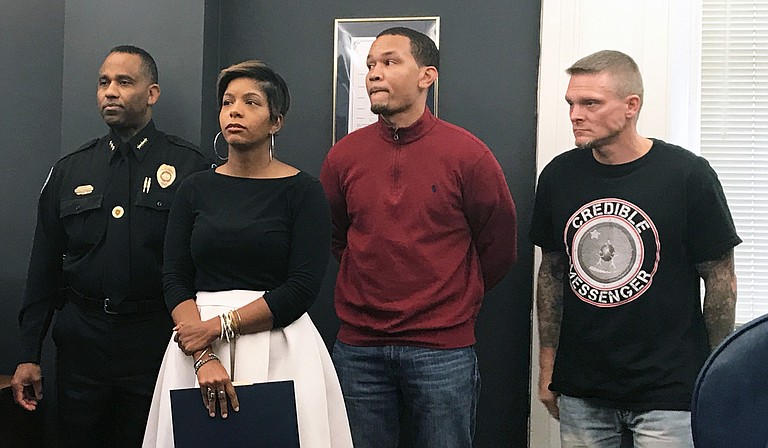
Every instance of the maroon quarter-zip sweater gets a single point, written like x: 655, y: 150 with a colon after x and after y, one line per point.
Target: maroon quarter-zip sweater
x: 423, y: 225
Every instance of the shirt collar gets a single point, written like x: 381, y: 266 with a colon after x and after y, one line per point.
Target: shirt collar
x: 139, y: 143
x: 404, y: 136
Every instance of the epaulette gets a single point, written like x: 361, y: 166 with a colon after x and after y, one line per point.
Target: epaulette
x: 178, y: 141
x: 88, y: 145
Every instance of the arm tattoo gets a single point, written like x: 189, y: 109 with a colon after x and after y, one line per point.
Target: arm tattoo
x: 549, y: 297
x: 719, y: 297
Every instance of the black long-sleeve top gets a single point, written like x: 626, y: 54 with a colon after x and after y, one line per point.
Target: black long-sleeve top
x: 74, y: 210
x: 229, y: 233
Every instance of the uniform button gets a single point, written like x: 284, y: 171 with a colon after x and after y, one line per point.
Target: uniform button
x: 159, y: 203
x: 77, y: 207
x: 118, y: 212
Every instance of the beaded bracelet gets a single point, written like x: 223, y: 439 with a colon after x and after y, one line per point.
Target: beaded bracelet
x: 202, y: 362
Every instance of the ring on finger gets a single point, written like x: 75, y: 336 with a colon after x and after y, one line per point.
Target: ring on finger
x: 222, y: 393
x: 211, y: 394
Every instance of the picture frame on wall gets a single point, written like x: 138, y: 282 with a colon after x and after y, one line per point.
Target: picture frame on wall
x: 352, y: 40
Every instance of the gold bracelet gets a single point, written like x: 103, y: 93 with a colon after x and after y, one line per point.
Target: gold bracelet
x: 237, y: 321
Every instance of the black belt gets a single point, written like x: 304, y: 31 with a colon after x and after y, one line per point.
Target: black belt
x: 124, y: 307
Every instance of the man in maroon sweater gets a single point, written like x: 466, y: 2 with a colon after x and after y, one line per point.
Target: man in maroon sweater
x: 424, y: 225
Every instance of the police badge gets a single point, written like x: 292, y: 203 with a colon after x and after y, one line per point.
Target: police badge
x: 166, y: 174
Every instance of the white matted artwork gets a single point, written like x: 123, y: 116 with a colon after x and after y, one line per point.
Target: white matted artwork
x: 352, y: 41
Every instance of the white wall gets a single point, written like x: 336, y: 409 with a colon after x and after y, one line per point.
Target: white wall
x: 663, y: 38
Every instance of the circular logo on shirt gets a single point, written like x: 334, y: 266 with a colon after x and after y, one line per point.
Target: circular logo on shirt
x: 614, y: 251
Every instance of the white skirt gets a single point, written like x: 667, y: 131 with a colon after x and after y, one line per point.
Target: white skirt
x: 296, y: 352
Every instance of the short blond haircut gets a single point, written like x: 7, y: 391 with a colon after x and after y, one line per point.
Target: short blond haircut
x: 623, y: 69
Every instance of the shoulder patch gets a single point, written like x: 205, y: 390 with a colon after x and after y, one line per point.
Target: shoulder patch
x: 45, y: 184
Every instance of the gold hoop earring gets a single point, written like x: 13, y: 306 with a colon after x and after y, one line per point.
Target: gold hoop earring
x: 215, y: 139
x: 271, y: 145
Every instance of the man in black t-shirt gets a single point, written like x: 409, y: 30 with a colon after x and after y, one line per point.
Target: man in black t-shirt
x: 628, y: 226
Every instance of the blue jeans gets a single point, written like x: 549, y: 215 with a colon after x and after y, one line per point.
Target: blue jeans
x: 585, y: 424
x: 436, y: 390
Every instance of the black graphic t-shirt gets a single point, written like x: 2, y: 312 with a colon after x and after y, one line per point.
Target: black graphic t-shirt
x: 633, y: 333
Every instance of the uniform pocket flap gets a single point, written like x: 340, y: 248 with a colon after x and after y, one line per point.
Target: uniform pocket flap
x: 158, y: 201
x: 73, y: 206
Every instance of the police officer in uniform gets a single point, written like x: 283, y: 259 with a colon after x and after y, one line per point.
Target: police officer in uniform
x: 97, y: 260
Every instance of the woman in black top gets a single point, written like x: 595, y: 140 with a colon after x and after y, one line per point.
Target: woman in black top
x: 245, y: 253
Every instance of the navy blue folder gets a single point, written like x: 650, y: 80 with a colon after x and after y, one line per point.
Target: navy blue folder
x: 267, y: 419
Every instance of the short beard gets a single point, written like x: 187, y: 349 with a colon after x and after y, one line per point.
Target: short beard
x: 385, y: 110
x: 598, y: 143
x: 380, y: 109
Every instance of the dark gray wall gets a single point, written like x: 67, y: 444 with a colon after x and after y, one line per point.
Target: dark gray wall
x: 171, y: 31
x: 31, y: 42
x: 488, y: 81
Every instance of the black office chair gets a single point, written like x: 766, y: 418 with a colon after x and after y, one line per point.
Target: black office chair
x: 730, y: 399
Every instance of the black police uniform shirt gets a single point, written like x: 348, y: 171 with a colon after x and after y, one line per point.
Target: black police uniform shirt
x: 76, y: 205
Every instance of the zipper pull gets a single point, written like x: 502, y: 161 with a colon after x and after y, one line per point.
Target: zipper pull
x: 395, y: 136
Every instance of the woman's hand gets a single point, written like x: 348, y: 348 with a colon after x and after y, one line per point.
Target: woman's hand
x: 216, y: 388
x: 194, y: 336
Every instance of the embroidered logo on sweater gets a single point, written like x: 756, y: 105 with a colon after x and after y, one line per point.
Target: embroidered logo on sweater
x: 614, y: 250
